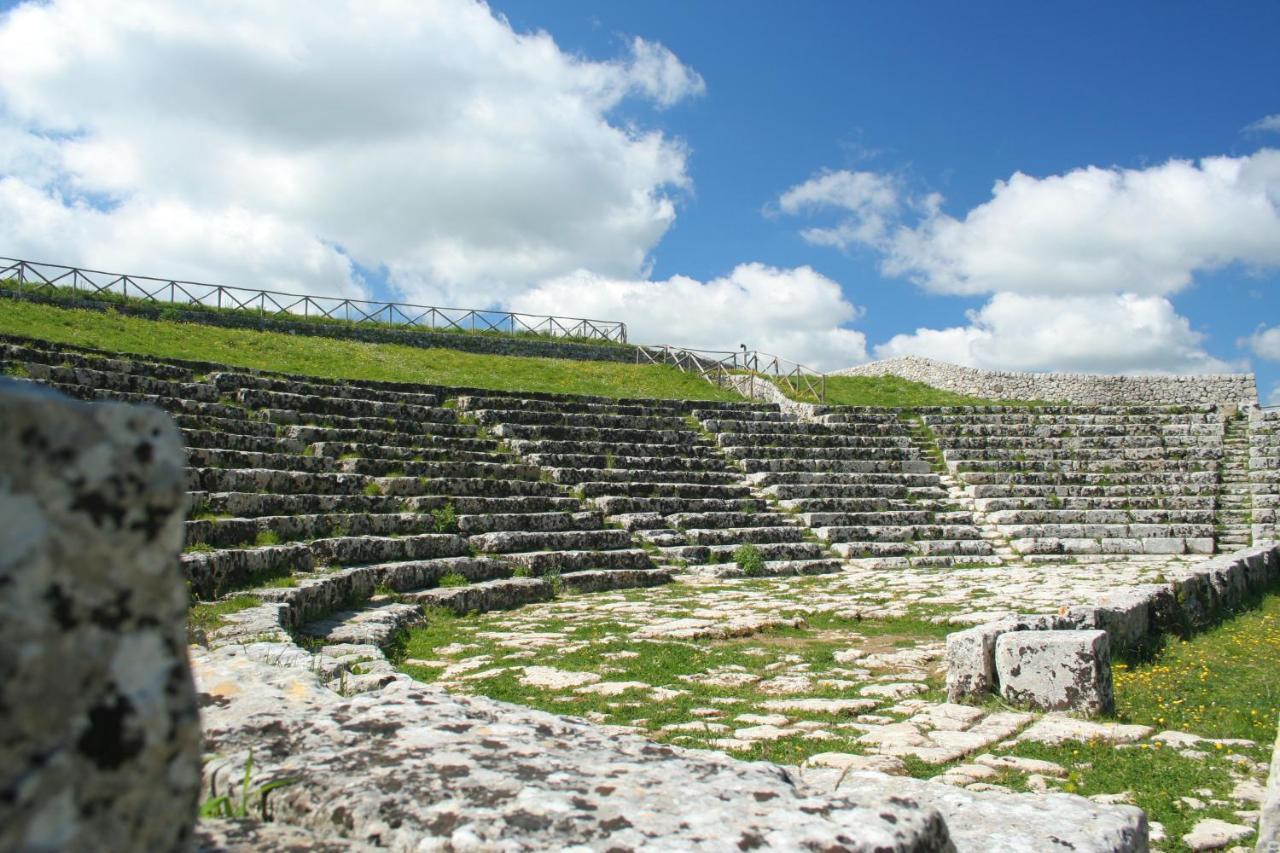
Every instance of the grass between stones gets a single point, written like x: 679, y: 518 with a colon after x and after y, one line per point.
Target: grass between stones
x: 585, y: 661
x: 342, y: 359
x: 208, y: 615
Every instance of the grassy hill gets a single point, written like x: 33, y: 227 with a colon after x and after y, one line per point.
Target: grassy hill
x: 346, y: 359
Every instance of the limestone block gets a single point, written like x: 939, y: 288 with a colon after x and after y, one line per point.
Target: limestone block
x: 970, y: 662
x: 439, y: 771
x: 101, y: 746
x: 1269, y: 825
x: 1056, y: 670
x: 1125, y: 616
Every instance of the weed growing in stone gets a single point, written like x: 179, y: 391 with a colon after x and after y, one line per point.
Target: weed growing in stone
x: 749, y: 559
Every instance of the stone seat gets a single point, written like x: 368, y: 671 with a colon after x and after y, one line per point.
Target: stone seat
x: 529, y: 521
x: 794, y: 491
x: 769, y: 550
x: 1105, y: 531
x: 252, y: 504
x: 925, y: 479
x: 230, y: 381
x: 350, y: 407
x: 509, y: 541
x: 444, y: 425
x: 896, y: 533
x: 879, y: 516
x: 1065, y: 490
x: 741, y: 535
x: 1101, y: 516
x: 174, y: 405
x: 618, y: 436
x: 110, y: 380
x: 360, y: 550
x: 573, y: 405
x: 613, y: 505
x: 802, y: 441
x: 771, y: 568
x: 782, y: 464
x: 651, y: 488
x: 204, y: 457
x: 839, y: 503
x: 25, y: 350
x: 1170, y: 546
x: 231, y: 532
x: 621, y: 474
x: 751, y: 517
x: 211, y: 440
x: 231, y: 426
x: 597, y: 461
x: 1122, y: 502
x: 789, y: 452
x: 438, y: 449
x: 495, y: 467
x: 597, y: 420
x: 542, y: 562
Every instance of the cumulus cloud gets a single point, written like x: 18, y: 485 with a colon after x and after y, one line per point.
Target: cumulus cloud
x: 1265, y: 124
x: 796, y: 313
x: 283, y: 143
x: 1077, y: 267
x: 1085, y: 334
x: 1265, y: 343
x: 1091, y: 230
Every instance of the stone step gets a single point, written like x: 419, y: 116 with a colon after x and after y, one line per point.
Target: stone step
x: 853, y: 504
x: 443, y: 426
x: 232, y: 532
x: 210, y: 573
x: 1051, y: 501
x: 540, y: 521
x: 233, y: 426
x: 794, y: 491
x: 602, y: 420
x: 230, y: 381
x: 137, y: 383
x: 201, y: 457
x: 927, y: 480
x: 504, y: 594
x: 803, y: 451
x: 703, y: 520
x: 619, y: 436
x: 348, y: 407
x: 542, y: 562
x: 544, y: 451
x: 573, y: 476
x: 613, y: 505
x: 771, y: 569
x: 768, y: 550
x: 1173, y: 545
x: 41, y: 352
x: 253, y: 504
x: 754, y: 465
x: 741, y: 535
x: 376, y: 625
x: 596, y: 461
x: 439, y: 449
x: 1105, y: 531
x: 510, y: 541
x: 874, y: 517
x: 641, y: 489
x: 607, y: 579
x: 573, y: 404
x: 896, y: 533
x: 358, y: 550
x: 174, y: 405
x: 496, y: 468
x: 1100, y: 516
x: 219, y: 440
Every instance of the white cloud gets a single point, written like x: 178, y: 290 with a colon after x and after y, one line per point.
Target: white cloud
x: 1124, y: 333
x: 1273, y: 399
x: 1265, y: 124
x: 1091, y: 230
x: 796, y: 313
x: 1265, y: 343
x: 249, y: 143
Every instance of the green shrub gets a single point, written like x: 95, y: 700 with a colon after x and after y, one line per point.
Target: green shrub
x: 453, y: 579
x: 445, y: 518
x: 749, y: 560
x: 267, y: 537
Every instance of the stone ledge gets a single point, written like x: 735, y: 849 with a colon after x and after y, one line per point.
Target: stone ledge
x: 1195, y: 596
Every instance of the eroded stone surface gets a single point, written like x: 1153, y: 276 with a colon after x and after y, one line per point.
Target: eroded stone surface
x: 438, y: 770
x: 101, y: 736
x: 1056, y: 670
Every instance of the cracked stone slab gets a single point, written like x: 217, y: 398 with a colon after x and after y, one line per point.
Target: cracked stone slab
x: 442, y: 771
x: 1053, y: 729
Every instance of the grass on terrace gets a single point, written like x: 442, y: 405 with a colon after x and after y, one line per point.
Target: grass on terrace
x: 344, y: 359
x: 894, y: 391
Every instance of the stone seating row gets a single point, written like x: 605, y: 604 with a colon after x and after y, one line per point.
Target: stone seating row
x: 1264, y: 474
x: 660, y: 476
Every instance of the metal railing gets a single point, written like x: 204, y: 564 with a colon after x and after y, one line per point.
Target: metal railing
x: 731, y: 369
x: 36, y: 277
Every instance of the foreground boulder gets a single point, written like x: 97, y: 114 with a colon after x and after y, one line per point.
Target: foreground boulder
x: 99, y: 745
x: 411, y: 767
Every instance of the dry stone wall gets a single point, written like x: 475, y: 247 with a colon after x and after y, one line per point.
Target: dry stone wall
x: 100, y: 749
x: 1080, y: 388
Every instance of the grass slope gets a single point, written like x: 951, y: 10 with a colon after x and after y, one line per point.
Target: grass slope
x: 343, y: 359
x: 894, y: 391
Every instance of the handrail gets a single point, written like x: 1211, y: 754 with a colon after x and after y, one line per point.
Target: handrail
x: 725, y: 368
x: 35, y: 276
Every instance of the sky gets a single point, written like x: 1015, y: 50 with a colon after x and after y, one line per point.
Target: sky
x: 1088, y: 188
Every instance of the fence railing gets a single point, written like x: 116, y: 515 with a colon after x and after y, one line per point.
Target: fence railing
x: 733, y: 368
x: 36, y: 277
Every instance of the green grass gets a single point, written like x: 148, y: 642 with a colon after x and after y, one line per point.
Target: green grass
x: 894, y: 391
x: 74, y: 298
x: 1221, y: 683
x: 207, y: 616
x: 343, y: 359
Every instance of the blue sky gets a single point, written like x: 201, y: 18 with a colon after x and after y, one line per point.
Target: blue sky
x: 817, y: 179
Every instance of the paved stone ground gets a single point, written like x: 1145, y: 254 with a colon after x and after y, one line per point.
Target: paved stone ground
x: 835, y: 674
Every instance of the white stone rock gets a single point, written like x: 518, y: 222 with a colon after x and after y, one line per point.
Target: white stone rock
x: 1053, y: 729
x: 1212, y: 834
x: 1056, y: 670
x: 550, y: 678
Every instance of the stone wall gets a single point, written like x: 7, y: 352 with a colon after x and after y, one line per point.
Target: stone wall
x: 489, y: 344
x: 1077, y: 388
x: 101, y: 745
x: 1194, y: 597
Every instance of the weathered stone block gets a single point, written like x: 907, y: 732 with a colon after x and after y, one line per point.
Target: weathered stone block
x: 1269, y: 825
x: 970, y: 661
x: 101, y: 732
x: 1056, y: 670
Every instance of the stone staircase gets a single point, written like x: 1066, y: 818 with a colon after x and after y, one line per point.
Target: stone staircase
x: 348, y: 507
x: 1235, y: 499
x: 1264, y: 473
x: 854, y: 477
x: 1061, y: 482
x: 653, y: 468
